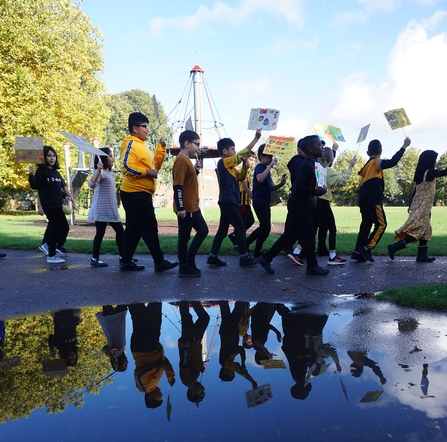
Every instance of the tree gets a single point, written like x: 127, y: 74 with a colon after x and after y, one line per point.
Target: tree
x: 405, y: 175
x: 348, y: 194
x: 121, y: 105
x: 50, y: 60
x: 441, y: 183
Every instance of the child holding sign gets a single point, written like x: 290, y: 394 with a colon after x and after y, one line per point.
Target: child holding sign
x: 262, y: 193
x: 48, y: 182
x: 300, y: 211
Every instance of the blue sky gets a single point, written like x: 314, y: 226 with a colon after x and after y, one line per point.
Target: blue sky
x: 341, y: 63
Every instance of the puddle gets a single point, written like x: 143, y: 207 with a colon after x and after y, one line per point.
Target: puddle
x: 343, y: 376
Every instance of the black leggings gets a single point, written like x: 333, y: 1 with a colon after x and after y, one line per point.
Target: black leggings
x: 101, y: 230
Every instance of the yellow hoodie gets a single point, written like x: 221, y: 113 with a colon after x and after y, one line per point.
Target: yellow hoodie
x: 136, y: 158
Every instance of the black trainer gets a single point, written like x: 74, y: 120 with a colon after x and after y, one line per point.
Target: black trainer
x: 247, y: 261
x: 214, y: 261
x: 357, y: 257
x: 97, y: 263
x: 187, y: 271
x: 316, y: 271
x: 165, y: 265
x: 265, y: 265
x: 132, y: 266
x: 367, y: 254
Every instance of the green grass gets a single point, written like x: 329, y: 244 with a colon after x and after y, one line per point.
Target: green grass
x: 18, y: 232
x: 430, y: 297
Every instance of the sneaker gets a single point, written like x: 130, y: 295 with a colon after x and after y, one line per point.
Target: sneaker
x: 357, y: 257
x: 133, y: 259
x: 247, y: 261
x: 131, y: 267
x: 185, y: 270
x: 295, y: 259
x: 2, y: 255
x: 165, y: 265
x: 61, y: 251
x: 265, y: 265
x: 323, y: 252
x: 44, y: 248
x: 97, y: 263
x: 55, y: 260
x: 316, y: 271
x: 336, y: 261
x: 214, y: 261
x: 367, y: 254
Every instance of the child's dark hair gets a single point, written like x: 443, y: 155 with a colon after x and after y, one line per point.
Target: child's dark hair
x: 306, y: 142
x: 261, y: 152
x: 226, y: 375
x: 135, y: 119
x: 152, y: 402
x: 374, y: 147
x: 47, y: 149
x: 224, y: 143
x: 195, y: 397
x: 120, y: 363
x: 104, y: 158
x: 187, y: 135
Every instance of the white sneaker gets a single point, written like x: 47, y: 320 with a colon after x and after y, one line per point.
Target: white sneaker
x: 44, y: 248
x: 54, y: 260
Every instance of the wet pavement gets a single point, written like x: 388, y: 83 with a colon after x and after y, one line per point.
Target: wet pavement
x: 347, y: 368
x: 28, y: 285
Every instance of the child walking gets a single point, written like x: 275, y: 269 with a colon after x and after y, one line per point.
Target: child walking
x: 49, y: 184
x: 263, y: 187
x: 418, y: 227
x: 371, y: 199
x: 300, y: 205
x: 104, y: 208
x: 324, y: 217
x: 186, y: 204
x: 229, y: 195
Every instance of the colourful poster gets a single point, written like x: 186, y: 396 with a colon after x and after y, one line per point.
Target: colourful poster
x: 259, y: 395
x: 279, y: 145
x: 397, y: 118
x: 265, y: 119
x: 273, y: 363
x: 320, y: 174
x: 29, y: 150
x: 363, y: 133
x: 329, y: 132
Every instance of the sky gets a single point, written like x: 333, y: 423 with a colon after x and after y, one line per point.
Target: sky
x: 342, y: 63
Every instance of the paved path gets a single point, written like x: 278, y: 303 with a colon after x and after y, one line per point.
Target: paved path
x: 28, y: 285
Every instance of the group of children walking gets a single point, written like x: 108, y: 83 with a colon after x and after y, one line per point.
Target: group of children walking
x: 308, y: 204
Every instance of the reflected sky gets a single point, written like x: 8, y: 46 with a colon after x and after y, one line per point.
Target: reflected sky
x: 335, y: 385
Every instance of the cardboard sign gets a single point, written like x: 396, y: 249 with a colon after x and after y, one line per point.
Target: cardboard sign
x: 273, y: 363
x: 82, y: 143
x: 363, y: 133
x: 265, y: 119
x: 259, y: 395
x: 29, y: 150
x: 397, y: 118
x: 329, y: 132
x: 320, y: 174
x: 9, y: 363
x: 54, y: 367
x: 279, y: 145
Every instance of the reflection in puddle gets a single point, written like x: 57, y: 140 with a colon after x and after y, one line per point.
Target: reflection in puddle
x: 221, y: 371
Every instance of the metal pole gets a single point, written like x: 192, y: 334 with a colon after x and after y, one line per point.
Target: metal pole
x: 197, y: 74
x: 68, y: 177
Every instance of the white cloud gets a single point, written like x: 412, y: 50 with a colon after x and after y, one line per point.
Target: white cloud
x: 416, y: 81
x: 222, y: 13
x: 368, y: 8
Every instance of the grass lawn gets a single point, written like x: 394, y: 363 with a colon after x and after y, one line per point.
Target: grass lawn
x: 18, y: 232
x: 431, y: 297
